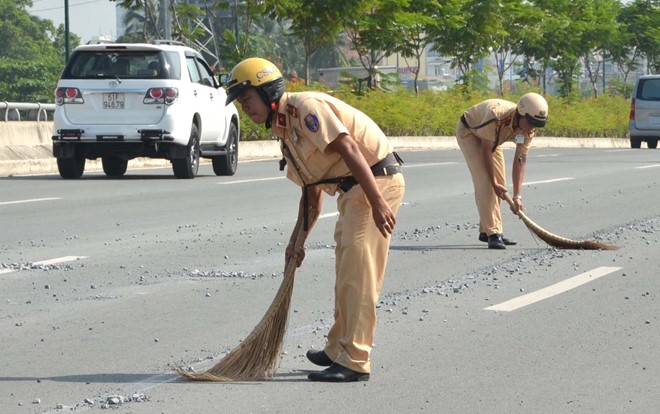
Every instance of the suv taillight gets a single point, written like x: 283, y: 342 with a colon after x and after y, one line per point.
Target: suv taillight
x: 68, y: 96
x: 161, y: 95
x: 632, y: 109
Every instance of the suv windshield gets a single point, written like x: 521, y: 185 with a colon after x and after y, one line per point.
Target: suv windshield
x: 649, y: 89
x: 124, y: 64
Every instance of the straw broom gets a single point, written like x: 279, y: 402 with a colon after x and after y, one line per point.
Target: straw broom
x: 257, y: 357
x: 558, y: 241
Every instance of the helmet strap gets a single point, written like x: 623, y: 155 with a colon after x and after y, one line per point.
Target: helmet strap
x: 272, y: 108
x: 516, y: 120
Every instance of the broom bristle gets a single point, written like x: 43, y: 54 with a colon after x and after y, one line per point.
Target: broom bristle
x: 558, y: 241
x: 258, y: 356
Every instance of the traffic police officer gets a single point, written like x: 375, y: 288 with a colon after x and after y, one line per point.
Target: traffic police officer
x: 332, y: 147
x: 480, y: 133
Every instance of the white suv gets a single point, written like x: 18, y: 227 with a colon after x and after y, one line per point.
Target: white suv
x: 160, y: 100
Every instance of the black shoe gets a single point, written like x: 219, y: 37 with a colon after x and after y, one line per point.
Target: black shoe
x: 508, y: 242
x: 319, y: 358
x: 495, y: 241
x: 338, y: 373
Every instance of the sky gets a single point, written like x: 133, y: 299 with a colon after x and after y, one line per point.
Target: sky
x: 87, y: 18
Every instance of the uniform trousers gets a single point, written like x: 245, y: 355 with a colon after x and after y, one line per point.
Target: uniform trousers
x: 488, y: 203
x: 360, y: 262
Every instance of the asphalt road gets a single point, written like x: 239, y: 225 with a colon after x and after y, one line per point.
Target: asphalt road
x: 107, y: 284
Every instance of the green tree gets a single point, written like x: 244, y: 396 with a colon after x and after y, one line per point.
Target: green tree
x: 555, y: 42
x: 516, y: 25
x: 471, y: 39
x: 599, y: 22
x: 642, y: 26
x: 143, y: 20
x: 624, y: 48
x: 415, y: 27
x: 313, y: 22
x: 31, y: 54
x: 371, y: 32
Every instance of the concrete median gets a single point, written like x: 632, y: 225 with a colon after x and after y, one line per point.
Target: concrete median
x: 26, y: 148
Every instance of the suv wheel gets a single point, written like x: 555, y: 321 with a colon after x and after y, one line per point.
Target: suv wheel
x: 114, y: 166
x: 635, y: 142
x: 652, y: 143
x: 226, y: 164
x: 71, y: 167
x: 187, y: 167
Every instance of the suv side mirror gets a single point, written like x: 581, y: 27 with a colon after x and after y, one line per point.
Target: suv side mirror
x: 223, y: 78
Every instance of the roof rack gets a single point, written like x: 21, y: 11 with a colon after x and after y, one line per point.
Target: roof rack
x: 167, y: 42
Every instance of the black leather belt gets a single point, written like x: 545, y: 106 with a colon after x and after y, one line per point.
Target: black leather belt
x: 389, y: 165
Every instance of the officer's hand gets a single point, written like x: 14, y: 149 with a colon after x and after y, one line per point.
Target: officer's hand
x: 384, y: 219
x: 517, y: 206
x: 499, y: 190
x: 292, y: 253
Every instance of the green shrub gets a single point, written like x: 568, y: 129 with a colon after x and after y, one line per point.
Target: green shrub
x: 400, y: 113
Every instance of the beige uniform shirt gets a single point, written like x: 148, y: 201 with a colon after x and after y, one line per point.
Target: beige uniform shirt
x: 500, y: 132
x: 307, y: 122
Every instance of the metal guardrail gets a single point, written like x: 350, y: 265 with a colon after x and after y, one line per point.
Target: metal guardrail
x: 11, y: 111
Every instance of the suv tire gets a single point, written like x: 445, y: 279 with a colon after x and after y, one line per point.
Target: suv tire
x: 114, y: 166
x: 71, y: 167
x: 187, y: 167
x: 226, y: 164
x: 652, y: 142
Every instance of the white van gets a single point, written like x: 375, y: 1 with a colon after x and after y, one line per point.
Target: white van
x: 645, y: 112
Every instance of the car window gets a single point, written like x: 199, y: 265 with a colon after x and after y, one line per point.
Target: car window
x: 195, y: 76
x: 207, y: 74
x: 173, y: 64
x: 649, y: 89
x: 124, y: 64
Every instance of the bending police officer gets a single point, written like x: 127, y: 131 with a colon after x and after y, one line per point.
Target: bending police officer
x: 480, y: 133
x: 332, y: 147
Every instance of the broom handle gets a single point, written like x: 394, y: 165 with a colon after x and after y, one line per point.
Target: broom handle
x: 509, y: 200
x: 300, y: 240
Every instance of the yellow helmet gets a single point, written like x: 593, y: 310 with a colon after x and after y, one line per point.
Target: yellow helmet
x: 257, y: 73
x: 533, y: 107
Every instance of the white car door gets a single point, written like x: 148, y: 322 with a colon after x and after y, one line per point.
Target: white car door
x: 210, y: 103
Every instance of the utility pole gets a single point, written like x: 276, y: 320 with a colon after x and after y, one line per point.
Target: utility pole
x: 166, y: 19
x: 67, y: 49
x: 236, y: 21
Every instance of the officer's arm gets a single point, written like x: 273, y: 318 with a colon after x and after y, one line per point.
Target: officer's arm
x: 518, y: 175
x: 347, y: 148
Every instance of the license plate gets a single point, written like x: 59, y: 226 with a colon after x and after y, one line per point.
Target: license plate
x: 654, y: 121
x: 113, y: 101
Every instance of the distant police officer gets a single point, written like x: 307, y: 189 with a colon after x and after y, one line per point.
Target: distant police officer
x: 481, y: 131
x: 332, y: 147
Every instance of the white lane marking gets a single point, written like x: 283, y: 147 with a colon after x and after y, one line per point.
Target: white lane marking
x: 554, y: 180
x: 59, y: 260
x: 545, y: 155
x: 47, y: 262
x: 328, y: 215
x: 29, y: 201
x: 252, y: 181
x: 557, y: 288
x: 647, y: 166
x: 430, y: 164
